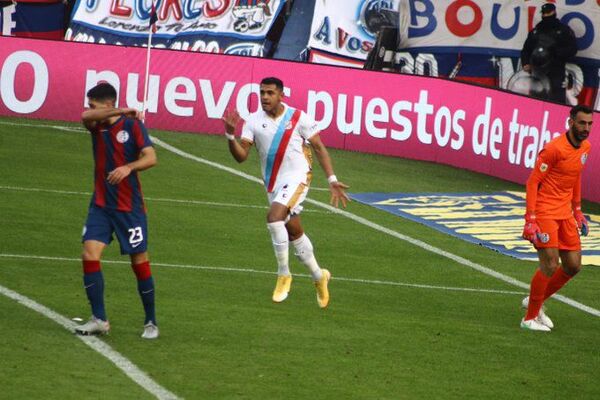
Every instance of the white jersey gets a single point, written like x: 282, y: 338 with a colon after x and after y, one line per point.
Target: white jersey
x: 282, y: 145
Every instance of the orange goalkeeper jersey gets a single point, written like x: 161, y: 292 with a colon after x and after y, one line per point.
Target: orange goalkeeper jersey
x: 554, y: 185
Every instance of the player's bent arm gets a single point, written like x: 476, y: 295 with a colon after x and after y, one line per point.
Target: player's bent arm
x: 146, y: 160
x: 239, y: 149
x: 322, y: 154
x: 94, y: 115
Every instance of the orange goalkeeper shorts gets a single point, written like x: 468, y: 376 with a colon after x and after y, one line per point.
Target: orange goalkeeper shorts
x: 562, y: 234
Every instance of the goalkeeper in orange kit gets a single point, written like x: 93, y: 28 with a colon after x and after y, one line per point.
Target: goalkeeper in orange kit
x: 553, y: 220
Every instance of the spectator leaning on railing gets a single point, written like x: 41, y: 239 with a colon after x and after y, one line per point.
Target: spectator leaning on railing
x: 549, y: 46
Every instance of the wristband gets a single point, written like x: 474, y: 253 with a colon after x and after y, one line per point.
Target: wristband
x: 332, y: 179
x: 229, y: 136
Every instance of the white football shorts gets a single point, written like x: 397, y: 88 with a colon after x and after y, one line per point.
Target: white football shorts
x: 290, y: 195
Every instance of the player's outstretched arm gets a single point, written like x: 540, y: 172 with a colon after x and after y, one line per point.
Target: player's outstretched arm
x: 337, y: 188
x: 147, y: 160
x: 239, y: 150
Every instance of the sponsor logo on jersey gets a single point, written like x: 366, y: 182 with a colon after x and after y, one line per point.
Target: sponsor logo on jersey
x: 122, y: 136
x: 543, y: 167
x: 584, y: 158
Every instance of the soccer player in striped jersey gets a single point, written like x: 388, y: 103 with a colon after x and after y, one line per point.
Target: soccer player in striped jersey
x: 283, y: 137
x: 121, y: 148
x: 553, y: 220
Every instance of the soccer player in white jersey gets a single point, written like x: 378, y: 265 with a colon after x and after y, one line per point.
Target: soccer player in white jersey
x: 283, y: 137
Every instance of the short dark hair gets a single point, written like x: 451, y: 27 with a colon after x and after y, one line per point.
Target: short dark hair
x: 580, y: 108
x: 273, y: 81
x: 102, y: 92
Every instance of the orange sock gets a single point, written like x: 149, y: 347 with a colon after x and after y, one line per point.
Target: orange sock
x: 558, y: 280
x: 537, y: 290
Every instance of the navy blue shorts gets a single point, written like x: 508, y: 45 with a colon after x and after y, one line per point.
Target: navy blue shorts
x: 131, y: 228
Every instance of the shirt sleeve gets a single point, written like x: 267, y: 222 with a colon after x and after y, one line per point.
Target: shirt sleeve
x: 307, y: 127
x: 140, y: 133
x: 576, y: 201
x: 247, y: 132
x: 546, y: 160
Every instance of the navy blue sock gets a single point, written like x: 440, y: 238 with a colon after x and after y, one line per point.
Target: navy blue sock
x: 94, y: 288
x: 146, y: 291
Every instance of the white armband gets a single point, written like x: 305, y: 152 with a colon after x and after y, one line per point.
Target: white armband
x: 332, y: 179
x: 229, y: 136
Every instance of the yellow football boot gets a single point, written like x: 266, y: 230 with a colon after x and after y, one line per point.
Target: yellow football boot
x: 284, y: 282
x: 322, y: 290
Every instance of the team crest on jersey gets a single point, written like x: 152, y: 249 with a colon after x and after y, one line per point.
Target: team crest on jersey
x: 583, y: 158
x: 288, y: 125
x: 122, y: 136
x: 544, y: 167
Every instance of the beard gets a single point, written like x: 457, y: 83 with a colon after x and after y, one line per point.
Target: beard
x: 580, y: 135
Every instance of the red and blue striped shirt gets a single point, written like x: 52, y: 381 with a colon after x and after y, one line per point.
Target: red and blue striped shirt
x: 114, y: 146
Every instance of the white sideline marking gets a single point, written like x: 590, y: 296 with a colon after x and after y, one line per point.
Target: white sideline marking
x: 78, y: 129
x: 129, y: 368
x: 363, y: 221
x: 256, y: 271
x: 204, y: 203
x: 59, y: 127
x: 377, y: 227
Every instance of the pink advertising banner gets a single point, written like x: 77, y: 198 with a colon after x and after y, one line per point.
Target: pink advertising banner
x: 480, y: 129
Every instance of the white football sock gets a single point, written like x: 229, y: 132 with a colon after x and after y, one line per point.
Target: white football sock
x: 279, y: 237
x: 304, y: 252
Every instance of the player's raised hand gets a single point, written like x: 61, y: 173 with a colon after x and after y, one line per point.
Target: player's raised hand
x: 132, y: 113
x: 231, y: 120
x: 338, y: 193
x: 118, y: 174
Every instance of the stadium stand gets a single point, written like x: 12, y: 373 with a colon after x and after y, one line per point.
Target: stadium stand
x: 471, y: 42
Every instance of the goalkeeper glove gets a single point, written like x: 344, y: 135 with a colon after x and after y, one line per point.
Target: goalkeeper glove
x: 531, y: 231
x: 582, y: 223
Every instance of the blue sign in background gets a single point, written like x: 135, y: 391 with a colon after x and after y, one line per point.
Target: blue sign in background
x: 494, y: 220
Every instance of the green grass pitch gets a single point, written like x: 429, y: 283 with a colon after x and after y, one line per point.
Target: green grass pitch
x: 395, y: 328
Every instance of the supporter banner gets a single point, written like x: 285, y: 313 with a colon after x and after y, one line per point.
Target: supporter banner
x: 347, y: 27
x: 484, y: 130
x: 225, y: 26
x: 480, y: 41
x: 498, y: 26
x: 37, y: 19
